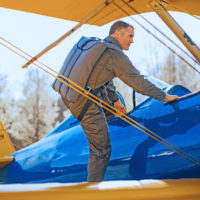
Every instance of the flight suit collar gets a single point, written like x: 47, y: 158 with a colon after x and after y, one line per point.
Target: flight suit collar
x: 113, y: 40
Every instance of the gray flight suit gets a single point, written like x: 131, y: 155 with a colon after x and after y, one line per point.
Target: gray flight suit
x: 113, y: 63
x: 109, y: 95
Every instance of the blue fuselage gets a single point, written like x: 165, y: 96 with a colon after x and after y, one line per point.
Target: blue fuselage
x: 62, y: 155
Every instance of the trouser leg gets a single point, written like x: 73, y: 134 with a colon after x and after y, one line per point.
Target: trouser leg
x: 95, y: 127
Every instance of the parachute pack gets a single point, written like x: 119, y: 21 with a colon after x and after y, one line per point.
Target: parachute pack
x: 79, y: 64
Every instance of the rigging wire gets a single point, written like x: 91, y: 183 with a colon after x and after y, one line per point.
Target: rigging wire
x: 111, y: 109
x: 173, y: 51
x: 133, y: 9
x: 3, y: 77
x: 13, y: 72
x: 88, y: 17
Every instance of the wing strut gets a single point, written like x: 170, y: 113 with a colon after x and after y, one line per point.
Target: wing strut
x: 91, y: 15
x: 152, y: 34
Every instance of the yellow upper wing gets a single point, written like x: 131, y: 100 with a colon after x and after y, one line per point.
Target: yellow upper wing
x: 76, y: 10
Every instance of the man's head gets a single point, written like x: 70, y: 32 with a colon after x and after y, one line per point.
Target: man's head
x: 123, y: 33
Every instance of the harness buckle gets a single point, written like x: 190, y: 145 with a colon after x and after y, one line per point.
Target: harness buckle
x: 88, y: 88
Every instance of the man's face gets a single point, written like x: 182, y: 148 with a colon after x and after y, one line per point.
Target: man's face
x: 124, y: 36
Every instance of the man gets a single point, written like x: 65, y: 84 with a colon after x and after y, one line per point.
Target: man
x: 113, y: 63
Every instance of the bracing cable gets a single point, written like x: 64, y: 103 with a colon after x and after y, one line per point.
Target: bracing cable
x: 86, y: 19
x: 108, y: 107
x: 124, y: 11
x: 169, y: 39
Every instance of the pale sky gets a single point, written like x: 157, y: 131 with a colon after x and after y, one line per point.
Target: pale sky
x: 32, y: 33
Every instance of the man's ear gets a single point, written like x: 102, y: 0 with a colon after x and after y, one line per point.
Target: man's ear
x: 116, y: 34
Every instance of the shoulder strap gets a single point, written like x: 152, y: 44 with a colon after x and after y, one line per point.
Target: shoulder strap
x: 113, y: 46
x: 94, y: 92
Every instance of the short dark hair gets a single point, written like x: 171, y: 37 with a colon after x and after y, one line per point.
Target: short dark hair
x: 118, y: 25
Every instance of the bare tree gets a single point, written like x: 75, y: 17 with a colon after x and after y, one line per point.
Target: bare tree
x: 38, y: 110
x: 176, y: 71
x: 6, y: 105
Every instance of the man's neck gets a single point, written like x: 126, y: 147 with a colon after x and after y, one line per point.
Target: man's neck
x: 111, y: 39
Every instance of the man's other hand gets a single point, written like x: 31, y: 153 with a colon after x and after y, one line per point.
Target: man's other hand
x: 119, y: 106
x: 169, y: 98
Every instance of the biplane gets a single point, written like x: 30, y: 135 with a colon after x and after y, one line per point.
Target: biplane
x: 153, y: 141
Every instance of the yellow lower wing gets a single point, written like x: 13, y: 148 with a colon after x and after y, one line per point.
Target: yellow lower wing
x: 5, y: 161
x: 6, y: 147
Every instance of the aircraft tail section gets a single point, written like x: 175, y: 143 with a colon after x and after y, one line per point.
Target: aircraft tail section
x: 6, y: 147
